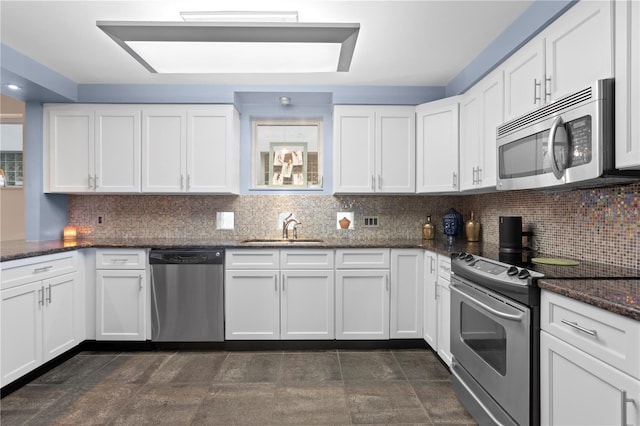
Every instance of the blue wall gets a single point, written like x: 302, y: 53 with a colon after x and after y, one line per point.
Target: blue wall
x: 47, y: 214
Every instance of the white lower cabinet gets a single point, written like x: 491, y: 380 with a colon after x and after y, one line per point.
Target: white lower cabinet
x: 443, y: 308
x: 39, y: 318
x: 407, y: 273
x: 252, y: 305
x: 279, y: 294
x: 121, y: 288
x: 307, y: 307
x: 362, y: 294
x: 430, y: 312
x: 589, y: 371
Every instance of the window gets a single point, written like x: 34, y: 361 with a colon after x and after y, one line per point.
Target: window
x: 287, y: 154
x: 11, y: 173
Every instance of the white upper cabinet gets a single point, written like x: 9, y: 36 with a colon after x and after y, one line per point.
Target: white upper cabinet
x: 437, y: 146
x: 374, y: 149
x: 627, y: 71
x: 117, y: 150
x: 573, y: 52
x: 92, y: 150
x: 69, y: 141
x: 481, y: 111
x: 128, y: 148
x: 164, y: 147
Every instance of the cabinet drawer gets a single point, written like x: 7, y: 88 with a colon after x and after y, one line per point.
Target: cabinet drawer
x: 17, y: 272
x: 306, y: 259
x: 362, y: 259
x: 609, y: 337
x: 252, y: 259
x: 444, y: 267
x: 121, y: 259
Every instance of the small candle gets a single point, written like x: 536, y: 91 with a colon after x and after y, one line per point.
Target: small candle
x: 70, y: 233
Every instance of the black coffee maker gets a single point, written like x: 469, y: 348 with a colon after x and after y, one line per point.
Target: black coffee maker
x: 511, y: 234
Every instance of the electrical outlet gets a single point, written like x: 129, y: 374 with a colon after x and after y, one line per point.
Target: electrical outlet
x: 371, y: 221
x: 100, y: 219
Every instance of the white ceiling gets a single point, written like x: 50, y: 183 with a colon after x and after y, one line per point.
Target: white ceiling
x: 409, y: 43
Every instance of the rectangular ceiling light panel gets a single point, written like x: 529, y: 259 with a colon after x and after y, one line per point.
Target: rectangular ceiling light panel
x: 209, y: 47
x: 229, y: 57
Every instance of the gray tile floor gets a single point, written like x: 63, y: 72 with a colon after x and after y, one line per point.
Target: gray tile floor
x: 224, y: 388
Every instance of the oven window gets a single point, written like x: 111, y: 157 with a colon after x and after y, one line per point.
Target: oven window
x: 485, y: 337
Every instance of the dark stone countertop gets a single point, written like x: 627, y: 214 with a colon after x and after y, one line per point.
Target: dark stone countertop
x: 618, y: 296
x: 13, y: 250
x: 621, y: 296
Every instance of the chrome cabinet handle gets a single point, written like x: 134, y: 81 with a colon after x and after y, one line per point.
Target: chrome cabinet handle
x: 140, y: 282
x: 474, y: 176
x: 283, y: 281
x: 432, y: 262
x: 275, y: 281
x: 579, y: 327
x: 536, y: 86
x: 188, y: 181
x: 547, y: 93
x: 373, y: 183
x: 181, y: 181
x: 386, y: 284
x: 455, y: 180
x: 119, y: 260
x: 49, y: 297
x: 41, y: 296
x: 623, y: 408
x: 42, y: 269
x: 478, y: 180
x: 95, y: 182
x: 380, y: 182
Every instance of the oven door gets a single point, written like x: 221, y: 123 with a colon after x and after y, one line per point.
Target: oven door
x: 490, y: 340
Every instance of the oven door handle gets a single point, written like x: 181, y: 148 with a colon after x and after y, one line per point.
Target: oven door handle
x: 509, y: 317
x: 557, y: 128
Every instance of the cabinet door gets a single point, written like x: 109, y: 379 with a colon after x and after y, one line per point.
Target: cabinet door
x: 252, y: 305
x: 576, y: 389
x: 117, y: 151
x: 470, y: 139
x: 120, y: 307
x: 579, y: 49
x: 430, y: 326
x: 212, y: 160
x: 491, y: 116
x: 395, y: 150
x: 437, y: 146
x: 71, y: 140
x: 21, y: 340
x: 627, y: 68
x: 444, y: 321
x: 523, y: 80
x: 307, y: 305
x: 164, y: 151
x: 58, y: 322
x: 353, y: 149
x: 362, y: 304
x: 407, y: 274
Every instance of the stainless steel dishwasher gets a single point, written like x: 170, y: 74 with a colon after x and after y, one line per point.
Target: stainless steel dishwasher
x: 187, y: 303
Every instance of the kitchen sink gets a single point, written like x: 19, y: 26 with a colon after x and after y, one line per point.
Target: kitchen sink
x: 282, y: 241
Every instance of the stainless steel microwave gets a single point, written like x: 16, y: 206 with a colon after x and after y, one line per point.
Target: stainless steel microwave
x: 568, y: 142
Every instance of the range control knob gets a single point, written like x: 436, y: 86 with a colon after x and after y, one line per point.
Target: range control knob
x: 462, y: 255
x: 524, y: 274
x: 512, y: 271
x: 468, y: 258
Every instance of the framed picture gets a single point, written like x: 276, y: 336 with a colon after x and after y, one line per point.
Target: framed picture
x: 288, y: 163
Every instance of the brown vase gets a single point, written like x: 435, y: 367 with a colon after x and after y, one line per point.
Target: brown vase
x: 428, y: 229
x: 472, y: 229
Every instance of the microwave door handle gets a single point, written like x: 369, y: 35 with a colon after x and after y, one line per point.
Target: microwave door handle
x: 557, y: 127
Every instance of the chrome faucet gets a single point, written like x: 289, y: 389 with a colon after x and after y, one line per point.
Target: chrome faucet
x: 285, y: 227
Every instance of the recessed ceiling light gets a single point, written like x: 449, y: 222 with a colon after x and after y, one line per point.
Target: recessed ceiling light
x: 233, y: 47
x: 13, y: 86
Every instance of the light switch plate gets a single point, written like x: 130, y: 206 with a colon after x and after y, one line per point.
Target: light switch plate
x: 225, y: 220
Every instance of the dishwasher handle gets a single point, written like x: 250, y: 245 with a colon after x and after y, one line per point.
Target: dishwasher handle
x: 186, y: 257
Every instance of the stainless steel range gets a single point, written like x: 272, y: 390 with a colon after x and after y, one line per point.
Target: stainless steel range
x: 495, y: 328
x: 495, y: 331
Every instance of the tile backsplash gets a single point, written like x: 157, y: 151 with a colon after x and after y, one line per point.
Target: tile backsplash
x: 601, y: 224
